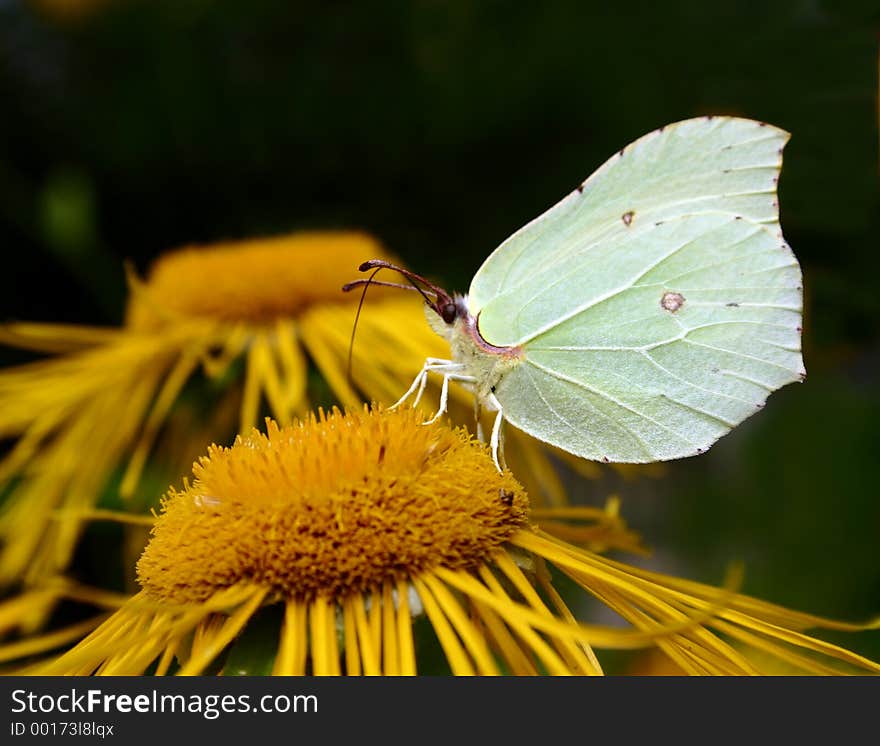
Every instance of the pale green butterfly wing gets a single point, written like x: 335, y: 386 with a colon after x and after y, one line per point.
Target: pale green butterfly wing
x: 699, y: 165
x: 609, y: 373
x: 627, y: 380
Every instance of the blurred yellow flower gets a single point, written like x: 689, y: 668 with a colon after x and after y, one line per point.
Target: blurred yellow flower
x: 356, y: 523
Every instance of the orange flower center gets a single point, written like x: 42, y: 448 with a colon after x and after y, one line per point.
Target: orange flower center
x: 332, y: 506
x: 255, y: 281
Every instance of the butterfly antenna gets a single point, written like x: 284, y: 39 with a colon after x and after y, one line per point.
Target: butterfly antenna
x: 366, y: 284
x: 440, y: 295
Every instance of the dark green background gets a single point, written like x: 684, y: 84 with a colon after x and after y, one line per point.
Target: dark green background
x: 442, y: 126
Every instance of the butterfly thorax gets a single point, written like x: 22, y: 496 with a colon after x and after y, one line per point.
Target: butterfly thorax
x: 486, y: 362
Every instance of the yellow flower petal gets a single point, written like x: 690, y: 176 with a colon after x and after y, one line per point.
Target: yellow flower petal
x: 339, y: 516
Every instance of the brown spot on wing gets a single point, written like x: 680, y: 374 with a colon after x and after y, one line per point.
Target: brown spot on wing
x: 671, y: 302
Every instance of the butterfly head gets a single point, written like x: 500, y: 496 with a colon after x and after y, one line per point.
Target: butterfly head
x: 448, y: 314
x: 448, y: 307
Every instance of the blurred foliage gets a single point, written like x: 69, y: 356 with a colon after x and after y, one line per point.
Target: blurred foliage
x: 442, y: 127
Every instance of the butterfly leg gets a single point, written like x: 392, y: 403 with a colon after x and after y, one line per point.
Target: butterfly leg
x: 420, y: 380
x: 444, y: 400
x: 421, y: 391
x: 417, y: 383
x: 481, y: 436
x: 497, y: 439
x: 448, y: 375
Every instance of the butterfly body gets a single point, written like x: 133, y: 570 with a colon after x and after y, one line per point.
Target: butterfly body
x: 486, y: 363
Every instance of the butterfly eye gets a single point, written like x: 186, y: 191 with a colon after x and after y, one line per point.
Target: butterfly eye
x: 448, y: 312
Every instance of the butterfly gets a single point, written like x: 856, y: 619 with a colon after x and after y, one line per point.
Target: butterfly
x: 644, y: 315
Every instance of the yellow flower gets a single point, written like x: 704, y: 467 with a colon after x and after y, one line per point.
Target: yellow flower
x: 251, y: 317
x: 356, y: 523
